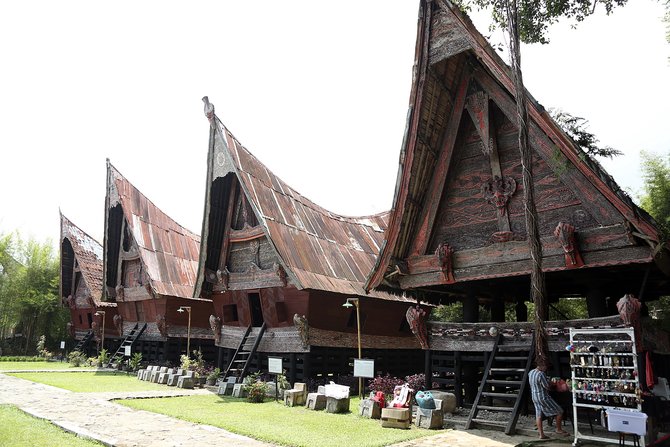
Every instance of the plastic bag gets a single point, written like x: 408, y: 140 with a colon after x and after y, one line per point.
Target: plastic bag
x: 424, y: 399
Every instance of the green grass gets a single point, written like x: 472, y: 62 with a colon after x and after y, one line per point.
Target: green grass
x: 273, y: 422
x: 21, y: 430
x: 4, y: 366
x: 86, y: 382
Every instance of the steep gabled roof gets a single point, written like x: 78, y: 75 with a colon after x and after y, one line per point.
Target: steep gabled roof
x: 447, y: 39
x: 168, y: 251
x: 317, y: 248
x: 88, y: 254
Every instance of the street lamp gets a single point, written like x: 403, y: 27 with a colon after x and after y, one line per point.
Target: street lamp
x: 102, y: 343
x: 188, y: 331
x: 355, y: 302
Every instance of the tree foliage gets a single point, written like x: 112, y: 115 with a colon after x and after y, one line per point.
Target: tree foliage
x: 536, y: 16
x: 655, y: 198
x: 29, y: 301
x: 577, y: 129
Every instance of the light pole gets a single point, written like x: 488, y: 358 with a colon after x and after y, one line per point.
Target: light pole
x: 355, y: 302
x: 102, y: 343
x: 188, y: 330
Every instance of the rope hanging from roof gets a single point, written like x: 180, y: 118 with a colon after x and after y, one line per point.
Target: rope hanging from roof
x: 537, y: 284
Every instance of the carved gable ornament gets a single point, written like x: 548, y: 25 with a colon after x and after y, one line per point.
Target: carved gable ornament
x: 565, y: 233
x: 498, y: 191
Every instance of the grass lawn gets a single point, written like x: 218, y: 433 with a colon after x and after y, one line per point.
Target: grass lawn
x: 4, y: 366
x: 273, y: 422
x: 87, y: 382
x: 21, y: 430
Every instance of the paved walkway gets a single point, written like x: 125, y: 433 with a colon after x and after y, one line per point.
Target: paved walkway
x: 92, y: 415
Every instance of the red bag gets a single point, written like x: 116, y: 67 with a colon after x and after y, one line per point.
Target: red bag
x: 380, y: 398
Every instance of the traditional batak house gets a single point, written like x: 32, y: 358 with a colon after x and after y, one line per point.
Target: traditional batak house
x: 150, y: 265
x: 457, y: 230
x: 81, y: 288
x: 279, y: 268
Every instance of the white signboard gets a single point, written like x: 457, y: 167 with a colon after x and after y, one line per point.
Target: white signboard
x: 126, y: 350
x: 364, y: 368
x: 62, y: 345
x: 275, y: 365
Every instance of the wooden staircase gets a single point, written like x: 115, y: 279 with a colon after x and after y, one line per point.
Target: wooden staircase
x: 240, y: 363
x: 84, y: 341
x: 134, y: 334
x: 503, y: 384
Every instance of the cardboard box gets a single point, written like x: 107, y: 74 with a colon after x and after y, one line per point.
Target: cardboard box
x: 634, y: 422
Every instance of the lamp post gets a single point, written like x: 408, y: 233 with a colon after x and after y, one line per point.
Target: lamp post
x: 355, y: 302
x: 188, y: 330
x: 102, y: 343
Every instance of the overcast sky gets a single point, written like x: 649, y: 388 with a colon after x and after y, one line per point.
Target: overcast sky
x: 318, y: 91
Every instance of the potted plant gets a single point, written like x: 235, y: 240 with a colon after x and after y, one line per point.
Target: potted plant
x: 212, y: 376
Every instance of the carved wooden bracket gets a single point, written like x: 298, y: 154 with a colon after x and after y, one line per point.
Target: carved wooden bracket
x: 566, y: 237
x: 120, y: 293
x: 118, y: 324
x: 301, y: 324
x: 477, y: 105
x: 215, y: 325
x: 498, y: 191
x: 445, y: 256
x: 281, y: 273
x: 416, y: 317
x: 223, y: 278
x: 162, y: 325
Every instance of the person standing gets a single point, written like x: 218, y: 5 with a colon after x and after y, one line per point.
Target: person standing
x: 544, y: 404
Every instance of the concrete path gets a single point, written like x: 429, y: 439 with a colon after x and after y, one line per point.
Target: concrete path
x: 94, y: 416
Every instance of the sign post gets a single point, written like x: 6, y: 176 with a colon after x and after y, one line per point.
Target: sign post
x: 275, y: 367
x: 364, y: 368
x: 62, y: 346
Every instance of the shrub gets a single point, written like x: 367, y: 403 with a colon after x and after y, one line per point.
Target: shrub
x: 20, y: 358
x: 103, y: 358
x: 135, y: 361
x: 185, y: 362
x: 385, y: 384
x: 42, y: 351
x: 214, y: 374
x: 256, y: 391
x: 76, y: 358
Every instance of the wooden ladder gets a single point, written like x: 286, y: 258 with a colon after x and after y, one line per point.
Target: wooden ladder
x: 84, y: 341
x: 134, y: 334
x: 503, y: 385
x: 242, y: 358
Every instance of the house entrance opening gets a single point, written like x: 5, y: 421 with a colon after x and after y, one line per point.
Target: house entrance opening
x: 256, y: 309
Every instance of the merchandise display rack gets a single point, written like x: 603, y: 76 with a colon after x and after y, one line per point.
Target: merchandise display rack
x: 604, y: 370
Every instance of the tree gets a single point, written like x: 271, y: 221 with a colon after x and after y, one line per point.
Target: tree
x: 655, y: 198
x: 29, y: 301
x: 528, y: 21
x: 576, y: 128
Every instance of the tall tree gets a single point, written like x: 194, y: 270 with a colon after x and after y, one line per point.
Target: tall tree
x: 528, y: 21
x: 655, y: 198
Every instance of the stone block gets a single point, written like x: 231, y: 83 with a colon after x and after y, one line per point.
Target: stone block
x: 153, y: 377
x: 293, y: 398
x: 163, y: 377
x: 316, y: 401
x: 396, y: 417
x: 225, y: 388
x: 185, y: 382
x: 173, y: 378
x: 369, y: 408
x: 273, y: 392
x: 321, y: 389
x: 334, y: 405
x: 140, y: 373
x: 147, y: 372
x: 239, y: 390
x: 448, y: 402
x: 425, y: 418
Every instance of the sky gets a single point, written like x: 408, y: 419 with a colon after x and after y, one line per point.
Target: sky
x: 318, y: 91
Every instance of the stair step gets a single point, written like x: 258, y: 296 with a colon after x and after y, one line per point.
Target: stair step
x: 499, y: 395
x: 490, y: 408
x: 488, y: 422
x: 507, y: 370
x: 504, y: 382
x: 507, y: 358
